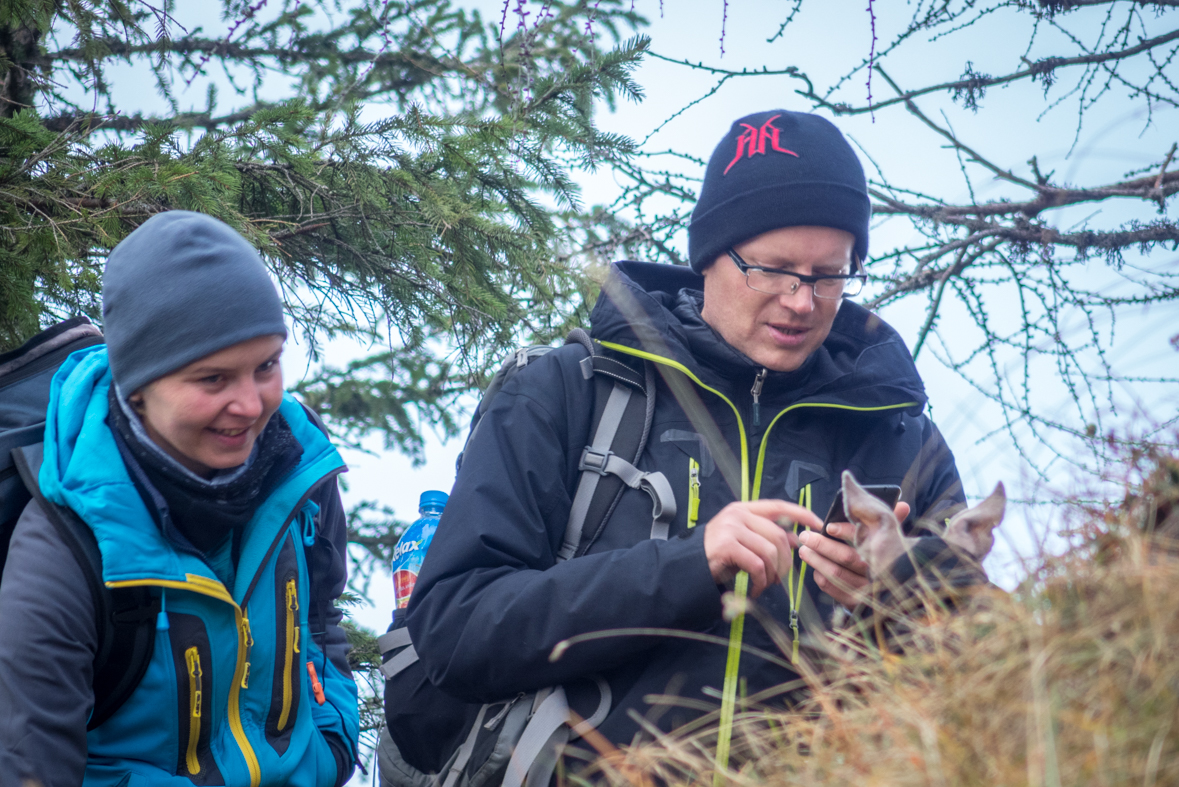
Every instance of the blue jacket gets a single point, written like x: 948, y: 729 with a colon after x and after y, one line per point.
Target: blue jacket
x: 492, y: 601
x: 228, y: 696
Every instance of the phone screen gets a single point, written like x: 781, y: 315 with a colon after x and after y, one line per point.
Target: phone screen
x: 889, y: 493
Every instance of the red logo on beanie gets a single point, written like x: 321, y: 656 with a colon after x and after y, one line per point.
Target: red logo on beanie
x: 753, y: 140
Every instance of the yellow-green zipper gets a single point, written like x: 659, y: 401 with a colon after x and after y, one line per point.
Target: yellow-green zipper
x: 192, y: 658
x: 795, y: 595
x: 741, y: 584
x: 693, y: 492
x: 292, y: 647
x: 214, y: 589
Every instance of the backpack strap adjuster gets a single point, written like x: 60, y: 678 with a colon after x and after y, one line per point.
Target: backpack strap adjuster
x: 595, y: 460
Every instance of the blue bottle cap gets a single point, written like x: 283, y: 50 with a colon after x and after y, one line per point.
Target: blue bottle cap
x: 432, y: 499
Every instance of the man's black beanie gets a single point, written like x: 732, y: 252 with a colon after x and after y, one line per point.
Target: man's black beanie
x: 180, y: 287
x: 778, y: 169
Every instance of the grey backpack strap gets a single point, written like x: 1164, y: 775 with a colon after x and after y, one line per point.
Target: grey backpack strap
x: 464, y: 753
x: 395, y: 640
x: 655, y: 484
x: 548, y: 731
x: 392, y: 640
x: 603, y: 439
x: 605, y: 701
x: 541, y: 742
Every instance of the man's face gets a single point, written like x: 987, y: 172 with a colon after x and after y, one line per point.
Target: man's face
x: 778, y: 332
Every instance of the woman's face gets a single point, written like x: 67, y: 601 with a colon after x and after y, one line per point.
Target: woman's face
x: 208, y: 414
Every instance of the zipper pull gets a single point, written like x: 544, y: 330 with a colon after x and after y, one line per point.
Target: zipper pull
x: 193, y: 657
x: 758, y: 382
x: 794, y: 631
x: 308, y: 514
x: 249, y: 640
x: 316, y: 686
x: 494, y: 721
x: 162, y: 617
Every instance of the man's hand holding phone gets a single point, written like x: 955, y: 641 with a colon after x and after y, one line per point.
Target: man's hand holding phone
x: 828, y: 548
x: 749, y: 537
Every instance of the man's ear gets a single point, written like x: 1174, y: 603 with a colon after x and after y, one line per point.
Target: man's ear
x: 972, y: 531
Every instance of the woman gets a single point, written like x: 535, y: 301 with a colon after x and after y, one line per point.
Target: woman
x: 203, y: 482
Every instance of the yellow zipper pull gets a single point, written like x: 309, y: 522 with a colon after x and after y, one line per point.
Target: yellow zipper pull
x: 249, y: 640
x: 292, y: 621
x: 693, y: 492
x: 192, y: 658
x: 292, y: 646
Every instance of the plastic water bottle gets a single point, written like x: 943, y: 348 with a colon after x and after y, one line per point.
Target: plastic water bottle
x: 411, y: 547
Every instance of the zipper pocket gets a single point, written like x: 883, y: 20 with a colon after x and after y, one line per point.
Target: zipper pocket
x: 292, y: 648
x: 286, y: 683
x: 194, y: 667
x: 192, y: 657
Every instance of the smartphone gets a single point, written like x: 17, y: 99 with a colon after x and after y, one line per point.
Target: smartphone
x: 889, y: 493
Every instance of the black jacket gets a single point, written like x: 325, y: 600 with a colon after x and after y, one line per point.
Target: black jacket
x: 492, y: 601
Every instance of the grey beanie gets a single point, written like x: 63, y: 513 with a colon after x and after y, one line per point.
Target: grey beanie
x: 182, y: 286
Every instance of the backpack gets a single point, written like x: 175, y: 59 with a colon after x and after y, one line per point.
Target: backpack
x: 128, y: 615
x: 431, y: 738
x: 25, y: 374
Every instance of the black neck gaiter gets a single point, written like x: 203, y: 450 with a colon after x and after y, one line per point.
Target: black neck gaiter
x: 203, y: 511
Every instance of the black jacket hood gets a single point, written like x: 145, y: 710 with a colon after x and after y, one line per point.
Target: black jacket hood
x: 656, y: 308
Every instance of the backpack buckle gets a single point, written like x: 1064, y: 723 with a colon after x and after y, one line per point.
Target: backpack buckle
x: 595, y: 460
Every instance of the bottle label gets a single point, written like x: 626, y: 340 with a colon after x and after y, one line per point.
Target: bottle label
x: 403, y: 582
x: 404, y: 547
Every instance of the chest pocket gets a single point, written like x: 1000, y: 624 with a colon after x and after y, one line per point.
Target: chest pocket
x: 802, y: 474
x: 692, y: 444
x: 193, y: 661
x: 288, y: 646
x: 701, y: 465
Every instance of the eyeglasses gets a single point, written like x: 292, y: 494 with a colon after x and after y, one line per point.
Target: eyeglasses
x: 774, y: 281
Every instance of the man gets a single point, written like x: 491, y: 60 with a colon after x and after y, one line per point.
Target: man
x: 770, y: 385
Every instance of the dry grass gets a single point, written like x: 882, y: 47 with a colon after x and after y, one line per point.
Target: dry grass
x: 1073, y: 680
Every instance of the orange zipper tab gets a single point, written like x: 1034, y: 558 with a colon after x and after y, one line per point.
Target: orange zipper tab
x: 316, y: 686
